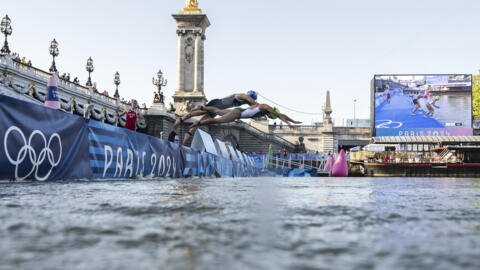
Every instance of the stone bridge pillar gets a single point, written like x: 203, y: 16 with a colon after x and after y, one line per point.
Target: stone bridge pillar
x: 191, y: 27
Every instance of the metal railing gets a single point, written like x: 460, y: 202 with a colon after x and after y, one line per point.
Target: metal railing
x: 276, y: 162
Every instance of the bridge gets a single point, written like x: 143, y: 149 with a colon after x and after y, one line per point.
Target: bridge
x: 29, y: 83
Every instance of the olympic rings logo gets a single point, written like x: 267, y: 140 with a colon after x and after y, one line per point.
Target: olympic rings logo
x: 388, y: 124
x: 35, y: 160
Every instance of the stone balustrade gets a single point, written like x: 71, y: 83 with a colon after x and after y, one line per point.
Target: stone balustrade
x: 30, y: 83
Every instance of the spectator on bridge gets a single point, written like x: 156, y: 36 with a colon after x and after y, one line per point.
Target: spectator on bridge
x: 29, y: 63
x: 76, y: 80
x: 132, y: 115
x: 15, y: 56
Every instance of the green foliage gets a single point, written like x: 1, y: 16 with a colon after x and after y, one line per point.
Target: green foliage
x: 476, y: 96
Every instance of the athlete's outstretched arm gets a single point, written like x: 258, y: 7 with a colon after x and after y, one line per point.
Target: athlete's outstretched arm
x: 290, y: 119
x: 281, y: 116
x: 247, y: 98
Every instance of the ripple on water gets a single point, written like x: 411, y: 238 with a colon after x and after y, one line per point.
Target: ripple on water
x: 242, y: 224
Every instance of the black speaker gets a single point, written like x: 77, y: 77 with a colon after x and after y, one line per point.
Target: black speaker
x: 389, y: 148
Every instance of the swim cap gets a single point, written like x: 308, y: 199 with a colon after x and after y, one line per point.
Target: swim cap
x: 437, y: 98
x: 252, y: 94
x: 275, y: 109
x: 134, y: 101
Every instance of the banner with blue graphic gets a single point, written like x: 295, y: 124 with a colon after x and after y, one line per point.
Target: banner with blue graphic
x: 39, y: 143
x: 44, y: 144
x: 122, y: 153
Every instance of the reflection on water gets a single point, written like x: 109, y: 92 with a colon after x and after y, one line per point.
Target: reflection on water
x: 454, y: 109
x: 357, y: 223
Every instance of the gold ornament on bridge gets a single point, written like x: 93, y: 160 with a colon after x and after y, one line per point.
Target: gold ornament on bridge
x: 192, y: 6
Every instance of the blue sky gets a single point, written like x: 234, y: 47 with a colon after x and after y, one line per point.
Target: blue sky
x: 289, y: 51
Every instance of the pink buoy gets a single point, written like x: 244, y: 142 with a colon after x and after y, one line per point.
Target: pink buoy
x: 328, y: 167
x: 340, y: 167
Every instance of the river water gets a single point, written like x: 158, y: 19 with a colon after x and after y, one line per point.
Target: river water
x: 265, y: 223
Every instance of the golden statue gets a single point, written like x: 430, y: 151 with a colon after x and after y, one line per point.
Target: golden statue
x: 192, y: 6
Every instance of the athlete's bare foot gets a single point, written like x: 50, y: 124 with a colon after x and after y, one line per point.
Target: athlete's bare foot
x: 177, y: 122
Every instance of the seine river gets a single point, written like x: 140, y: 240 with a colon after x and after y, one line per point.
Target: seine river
x: 265, y: 223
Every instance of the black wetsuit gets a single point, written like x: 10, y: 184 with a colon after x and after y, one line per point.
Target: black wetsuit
x: 225, y: 103
x: 415, y: 101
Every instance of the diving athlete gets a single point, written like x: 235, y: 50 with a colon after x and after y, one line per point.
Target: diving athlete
x: 430, y: 109
x: 230, y: 115
x: 416, y: 103
x: 233, y: 100
x: 437, y: 98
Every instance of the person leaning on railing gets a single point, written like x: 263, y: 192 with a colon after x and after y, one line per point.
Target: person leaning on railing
x: 131, y: 116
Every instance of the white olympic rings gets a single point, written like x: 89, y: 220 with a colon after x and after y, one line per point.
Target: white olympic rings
x: 388, y: 124
x: 36, y: 161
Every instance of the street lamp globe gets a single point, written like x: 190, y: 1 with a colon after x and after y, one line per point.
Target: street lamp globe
x: 54, y: 53
x: 6, y: 29
x: 89, y: 66
x: 90, y: 69
x: 116, y: 81
x: 159, y: 82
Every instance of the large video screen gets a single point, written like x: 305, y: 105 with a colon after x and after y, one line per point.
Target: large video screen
x: 422, y: 105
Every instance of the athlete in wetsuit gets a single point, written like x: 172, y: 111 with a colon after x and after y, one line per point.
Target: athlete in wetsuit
x: 416, y: 103
x: 254, y: 111
x: 233, y: 100
x: 430, y: 109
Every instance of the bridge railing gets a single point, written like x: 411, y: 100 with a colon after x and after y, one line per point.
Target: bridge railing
x: 19, y: 71
x: 263, y: 161
x: 266, y: 135
x: 276, y: 162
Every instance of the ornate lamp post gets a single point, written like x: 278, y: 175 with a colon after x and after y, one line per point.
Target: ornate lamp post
x: 116, y: 81
x: 354, y: 112
x: 6, y: 29
x: 159, y: 83
x: 53, y: 53
x: 89, y: 68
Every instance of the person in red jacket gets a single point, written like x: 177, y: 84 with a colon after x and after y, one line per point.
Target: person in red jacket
x: 131, y: 118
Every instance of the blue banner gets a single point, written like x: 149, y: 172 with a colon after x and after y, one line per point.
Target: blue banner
x: 43, y: 144
x: 39, y: 143
x: 122, y: 153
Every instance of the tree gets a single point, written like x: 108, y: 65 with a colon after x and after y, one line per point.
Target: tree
x: 476, y: 96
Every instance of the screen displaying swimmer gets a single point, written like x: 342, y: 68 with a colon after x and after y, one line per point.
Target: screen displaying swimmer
x: 423, y: 105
